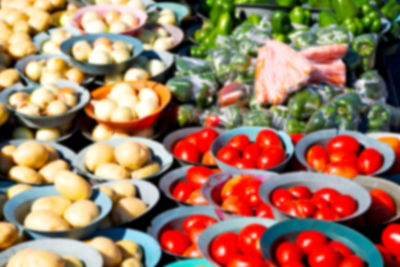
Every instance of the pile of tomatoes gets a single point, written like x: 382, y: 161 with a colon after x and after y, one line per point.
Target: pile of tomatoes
x: 394, y: 143
x: 239, y: 195
x: 324, y: 204
x: 189, y: 191
x: 195, y: 147
x: 184, y: 242
x: 343, y: 157
x: 243, y: 249
x: 314, y: 249
x: 390, y: 248
x: 267, y: 152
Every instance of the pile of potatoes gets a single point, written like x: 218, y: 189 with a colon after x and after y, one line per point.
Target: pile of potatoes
x: 123, y: 253
x: 47, y: 100
x: 52, y: 45
x: 102, y: 132
x: 72, y: 209
x: 129, y: 159
x: 49, y: 71
x: 124, y: 103
x: 32, y: 257
x: 31, y: 163
x: 156, y: 39
x: 126, y: 204
x: 43, y: 134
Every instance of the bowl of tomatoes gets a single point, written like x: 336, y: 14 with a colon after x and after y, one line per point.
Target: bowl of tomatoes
x: 344, y: 153
x: 236, y: 194
x: 235, y: 242
x: 192, y: 145
x: 314, y: 195
x: 183, y: 185
x: 256, y: 148
x: 318, y: 243
x: 178, y: 230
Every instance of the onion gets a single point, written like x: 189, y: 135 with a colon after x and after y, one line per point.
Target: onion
x: 48, y: 134
x: 129, y: 19
x: 118, y: 26
x: 120, y: 55
x: 122, y: 45
x: 128, y: 100
x: 136, y: 74
x: 81, y: 50
x: 120, y: 89
x: 22, y: 133
x: 74, y: 75
x: 56, y: 108
x: 50, y: 47
x: 111, y: 16
x: 59, y: 36
x: 33, y: 70
x: 101, y: 132
x: 29, y: 109
x: 95, y: 26
x: 119, y: 134
x: 155, y: 67
x: 17, y: 99
x: 137, y: 4
x: 51, y: 87
x: 99, y: 57
x: 147, y: 94
x: 49, y: 77
x: 68, y: 96
x: 163, y: 43
x: 121, y: 114
x: 42, y: 97
x: 56, y: 64
x: 103, y: 108
x: 88, y: 17
x: 102, y: 43
x: 145, y: 108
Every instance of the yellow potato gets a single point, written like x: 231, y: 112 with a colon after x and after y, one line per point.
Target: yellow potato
x: 6, y: 158
x: 22, y: 174
x: 72, y: 262
x: 111, y: 171
x: 131, y: 262
x: 81, y: 213
x: 131, y: 155
x: 50, y: 170
x: 31, y: 154
x: 21, y: 49
x: 8, y: 78
x: 109, y: 192
x: 124, y: 189
x: 17, y: 189
x: 72, y: 185
x: 53, y: 154
x: 127, y: 209
x: 109, y: 251
x: 34, y: 257
x: 56, y: 204
x: 8, y: 235
x: 98, y: 154
x: 45, y: 220
x: 40, y: 21
x: 130, y: 249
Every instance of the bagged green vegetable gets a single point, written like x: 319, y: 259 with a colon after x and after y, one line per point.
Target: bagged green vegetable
x: 382, y: 117
x: 280, y: 115
x: 257, y: 118
x: 188, y: 115
x: 303, y: 104
x: 187, y: 66
x: 365, y: 46
x: 293, y: 126
x: 371, y: 88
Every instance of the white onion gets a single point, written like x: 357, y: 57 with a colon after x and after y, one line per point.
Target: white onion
x: 29, y: 109
x: 95, y: 26
x: 104, y: 108
x: 145, y: 108
x: 48, y: 134
x: 101, y: 132
x: 121, y: 114
x: 18, y: 99
x: 155, y: 67
x: 99, y: 57
x: 120, y: 55
x: 81, y: 50
x: 33, y: 70
x: 120, y: 89
x: 129, y: 19
x: 136, y: 74
x: 42, y: 97
x: 118, y: 26
x: 56, y: 108
x: 89, y: 16
x: 147, y: 94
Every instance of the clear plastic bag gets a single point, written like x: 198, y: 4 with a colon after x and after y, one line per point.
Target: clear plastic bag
x: 187, y: 66
x: 365, y: 46
x: 382, y: 117
x: 371, y: 88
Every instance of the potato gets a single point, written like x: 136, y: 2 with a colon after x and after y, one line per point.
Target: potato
x: 131, y: 155
x: 131, y: 262
x: 8, y: 234
x: 124, y: 189
x: 47, y: 134
x: 21, y: 49
x: 8, y: 77
x: 22, y: 174
x: 111, y: 171
x: 21, y: 26
x: 45, y: 220
x: 98, y: 154
x: 31, y: 154
x: 72, y: 262
x: 56, y: 204
x: 109, y: 251
x: 130, y: 249
x: 72, y: 185
x: 53, y: 153
x: 101, y: 132
x: 81, y: 213
x: 33, y: 257
x: 17, y: 189
x: 19, y: 37
x: 6, y: 158
x: 109, y: 192
x: 40, y: 21
x: 50, y: 170
x: 127, y: 209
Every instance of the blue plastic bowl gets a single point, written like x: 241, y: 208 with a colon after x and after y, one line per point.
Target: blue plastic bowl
x: 251, y: 132
x: 151, y: 248
x: 180, y: 11
x: 42, y: 37
x: 102, y: 69
x: 190, y: 263
x: 170, y: 179
x: 233, y: 225
x: 218, y: 180
x: 322, y: 138
x: 288, y: 230
x: 4, y: 185
x: 16, y: 209
x: 159, y: 154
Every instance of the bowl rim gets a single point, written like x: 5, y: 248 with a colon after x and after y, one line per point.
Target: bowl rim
x: 162, y: 184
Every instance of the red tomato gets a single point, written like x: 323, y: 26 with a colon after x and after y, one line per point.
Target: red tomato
x: 391, y: 238
x: 246, y: 261
x: 206, y: 138
x: 251, y: 152
x: 280, y: 196
x: 317, y: 157
x: 197, y: 221
x: 290, y: 207
x: 388, y: 258
x: 305, y: 208
x: 326, y: 214
x: 243, y: 164
x: 341, y: 248
x: 224, y: 247
x: 264, y: 211
x: 326, y: 193
x: 198, y: 175
x: 186, y: 151
x: 343, y: 142
x: 342, y: 156
x: 296, y: 137
x: 383, y: 199
x: 271, y: 157
x: 293, y: 264
x: 212, y: 121
x: 342, y: 169
x: 208, y: 158
x: 195, y: 233
x: 234, y: 186
x: 250, y: 193
x: 196, y: 198
x: 174, y: 241
x: 235, y: 205
x: 352, y: 261
x: 319, y: 202
x: 227, y: 154
x: 344, y: 205
x: 267, y: 139
x: 249, y: 239
x: 193, y: 139
x: 310, y: 240
x: 324, y: 256
x: 369, y: 161
x: 288, y: 252
x: 192, y: 252
x: 300, y: 191
x: 239, y: 142
x: 182, y: 191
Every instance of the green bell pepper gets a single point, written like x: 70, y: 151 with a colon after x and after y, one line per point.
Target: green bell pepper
x: 348, y: 103
x: 198, y: 51
x: 219, y: 7
x: 280, y: 22
x: 320, y: 4
x: 295, y: 126
x: 225, y: 24
x: 280, y: 37
x: 286, y: 3
x: 181, y: 88
x: 257, y: 118
x: 187, y: 115
x: 391, y: 9
x: 365, y: 46
x: 346, y: 122
x: 344, y: 9
x: 202, y: 33
x: 303, y: 104
x: 253, y: 19
x: 299, y: 15
x: 327, y: 18
x: 378, y: 118
x: 322, y: 119
x: 353, y: 25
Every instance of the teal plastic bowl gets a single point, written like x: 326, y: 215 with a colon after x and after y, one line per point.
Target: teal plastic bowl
x: 191, y: 263
x: 251, y: 132
x: 180, y: 11
x: 288, y: 231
